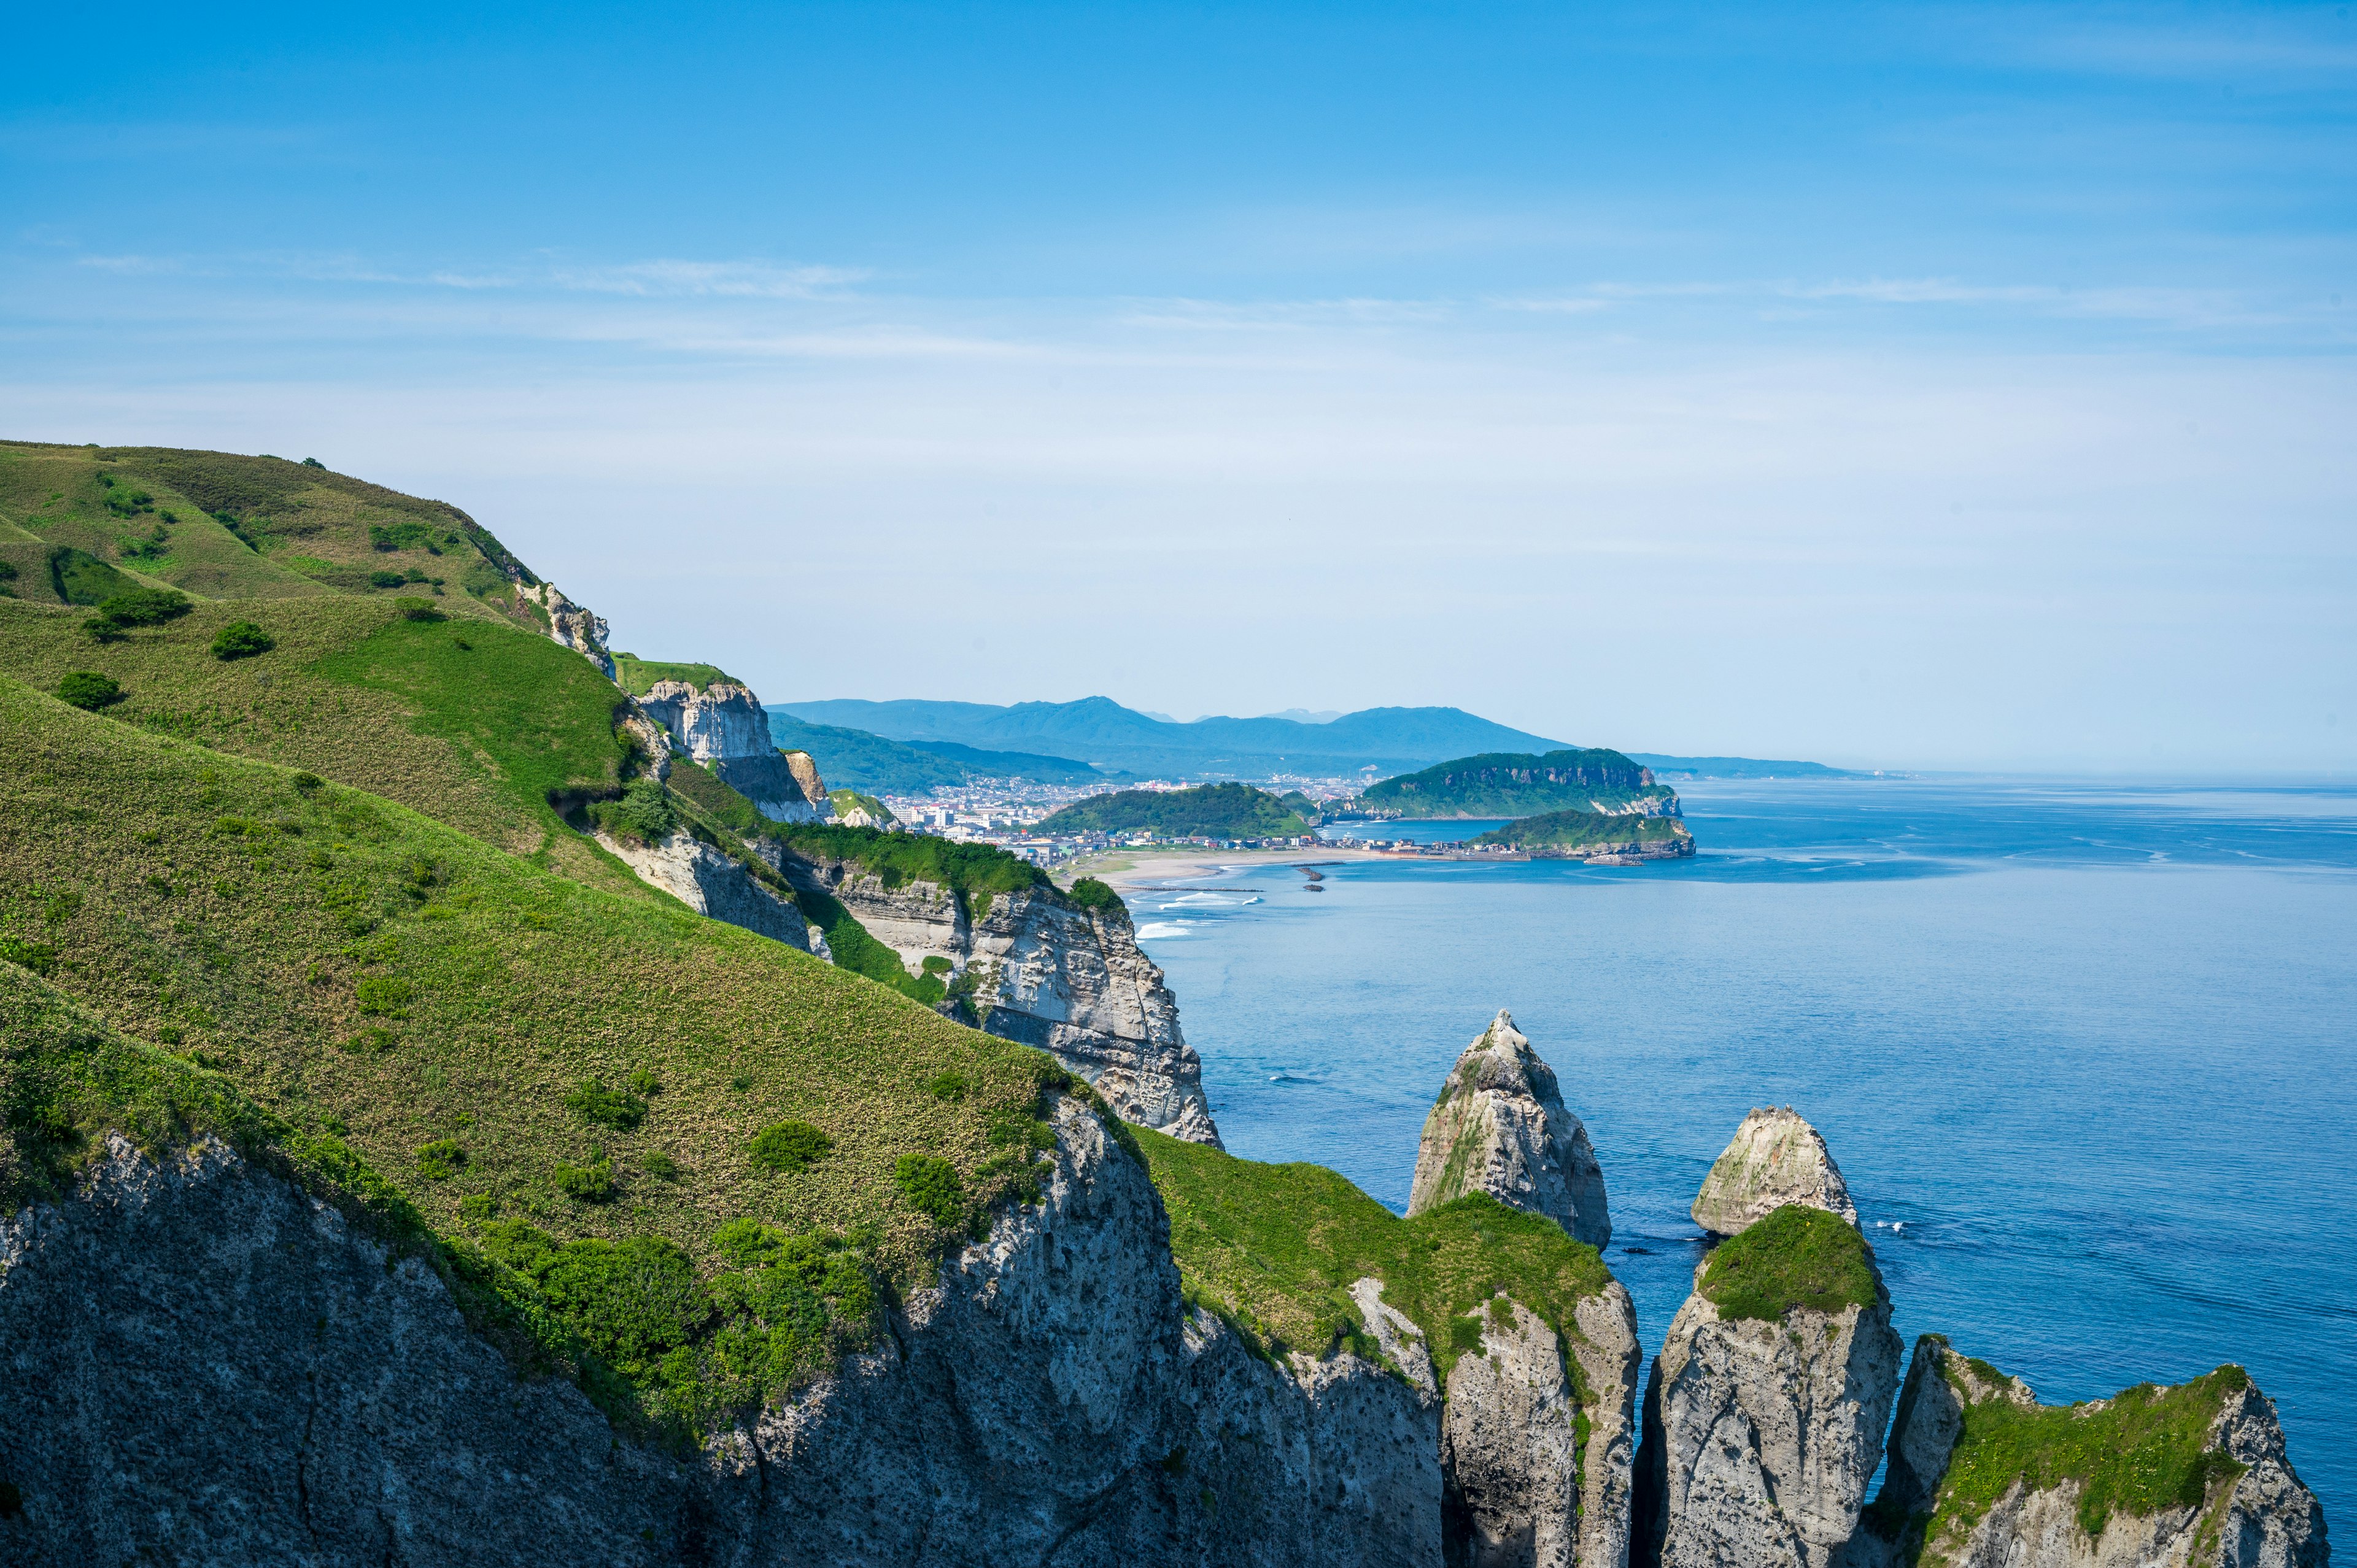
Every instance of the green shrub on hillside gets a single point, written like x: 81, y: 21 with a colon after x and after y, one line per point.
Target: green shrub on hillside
x: 385, y: 579
x: 242, y: 639
x: 644, y: 814
x: 415, y: 609
x: 38, y: 957
x: 383, y: 995
x: 440, y: 1160
x: 1091, y: 894
x: 1797, y: 1256
x: 144, y: 606
x: 790, y: 1146
x: 592, y: 1182
x: 932, y: 1187
x: 88, y: 690
x: 595, y: 1103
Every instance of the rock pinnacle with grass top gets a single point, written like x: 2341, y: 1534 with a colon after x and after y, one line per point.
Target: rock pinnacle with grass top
x: 1499, y: 1127
x: 1774, y: 1158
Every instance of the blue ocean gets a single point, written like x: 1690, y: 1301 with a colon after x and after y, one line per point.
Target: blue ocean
x: 2086, y: 1054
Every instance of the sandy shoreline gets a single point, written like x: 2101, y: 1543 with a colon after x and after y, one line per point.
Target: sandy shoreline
x: 1124, y: 869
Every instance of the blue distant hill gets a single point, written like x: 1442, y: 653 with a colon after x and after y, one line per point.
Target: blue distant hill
x: 1733, y: 767
x: 1101, y: 731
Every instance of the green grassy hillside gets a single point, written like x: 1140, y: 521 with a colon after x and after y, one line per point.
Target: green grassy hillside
x: 221, y: 525
x: 1209, y: 810
x: 471, y: 720
x: 637, y: 676
x: 503, y: 1043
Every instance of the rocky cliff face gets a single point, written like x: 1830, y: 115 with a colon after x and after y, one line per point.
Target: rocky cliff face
x: 1774, y: 1158
x: 1045, y: 971
x: 2250, y: 1510
x: 568, y: 623
x: 710, y: 883
x: 208, y: 1365
x: 1499, y: 1127
x: 1537, y: 1477
x: 722, y: 727
x: 1761, y: 1436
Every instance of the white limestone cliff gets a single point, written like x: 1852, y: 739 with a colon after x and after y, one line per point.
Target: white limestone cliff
x: 1774, y: 1158
x: 723, y: 727
x: 714, y: 885
x: 1038, y: 968
x: 569, y: 623
x: 1500, y: 1126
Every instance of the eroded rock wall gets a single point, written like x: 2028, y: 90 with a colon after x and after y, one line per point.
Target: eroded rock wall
x: 206, y: 1366
x: 1761, y: 1437
x: 1535, y: 1476
x: 1045, y: 971
x: 713, y: 883
x: 723, y: 726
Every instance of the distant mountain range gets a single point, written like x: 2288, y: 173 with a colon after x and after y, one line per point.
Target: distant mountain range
x: 860, y: 759
x: 1101, y: 731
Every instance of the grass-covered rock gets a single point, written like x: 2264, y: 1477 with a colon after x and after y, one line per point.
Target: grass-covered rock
x: 1797, y: 1257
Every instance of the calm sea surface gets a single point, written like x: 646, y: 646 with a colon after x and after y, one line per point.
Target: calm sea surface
x: 2086, y: 1055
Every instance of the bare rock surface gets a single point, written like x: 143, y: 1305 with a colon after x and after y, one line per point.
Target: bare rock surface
x: 2253, y: 1511
x: 1500, y: 1126
x: 1774, y: 1158
x: 1527, y: 1488
x: 1043, y: 971
x: 1761, y: 1437
x: 712, y: 884
x: 568, y: 623
x: 723, y: 726
x: 207, y: 1366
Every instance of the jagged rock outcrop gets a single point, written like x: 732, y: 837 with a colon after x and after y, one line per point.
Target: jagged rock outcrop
x: 1499, y: 1127
x: 1774, y: 1158
x: 2252, y: 1511
x: 1037, y: 967
x: 1762, y: 1434
x: 1526, y: 1486
x: 723, y: 726
x: 568, y: 623
x: 713, y: 883
x: 206, y: 1365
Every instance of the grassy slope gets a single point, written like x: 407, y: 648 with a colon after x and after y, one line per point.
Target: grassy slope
x: 1797, y: 1256
x: 474, y: 737
x: 1209, y: 810
x: 2137, y: 1452
x: 214, y: 904
x: 1274, y: 1247
x: 637, y: 676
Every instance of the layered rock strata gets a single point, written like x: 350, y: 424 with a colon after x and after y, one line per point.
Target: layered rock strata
x: 1537, y: 1476
x: 1762, y: 1436
x: 714, y: 885
x: 1500, y: 1126
x: 2251, y: 1511
x: 206, y: 1365
x: 722, y: 725
x: 1037, y: 968
x: 1774, y: 1158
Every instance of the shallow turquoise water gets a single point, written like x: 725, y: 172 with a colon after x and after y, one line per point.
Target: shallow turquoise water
x: 2085, y: 1054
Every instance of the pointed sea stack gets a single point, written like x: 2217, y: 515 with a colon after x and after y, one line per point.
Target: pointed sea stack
x: 1499, y: 1127
x: 1774, y: 1158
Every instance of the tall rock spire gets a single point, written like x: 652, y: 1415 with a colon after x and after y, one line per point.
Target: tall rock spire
x: 1499, y: 1127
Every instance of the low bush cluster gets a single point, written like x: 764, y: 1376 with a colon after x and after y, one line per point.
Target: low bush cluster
x: 644, y: 812
x: 88, y: 690
x: 790, y: 1146
x: 593, y: 1102
x: 242, y: 639
x: 932, y: 1186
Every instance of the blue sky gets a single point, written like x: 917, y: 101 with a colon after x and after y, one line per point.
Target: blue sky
x: 1930, y: 386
